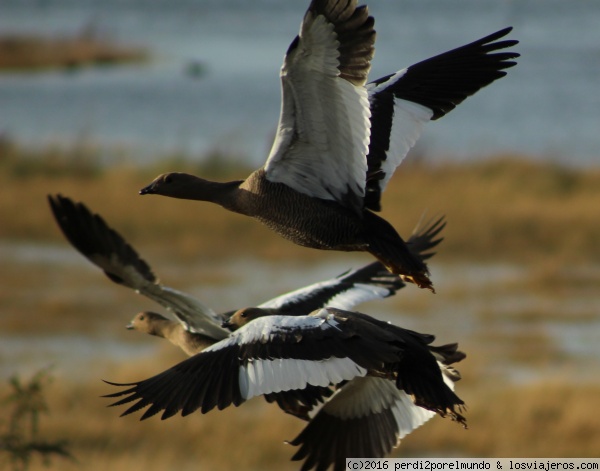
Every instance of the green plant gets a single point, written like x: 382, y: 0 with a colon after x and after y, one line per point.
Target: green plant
x: 20, y: 440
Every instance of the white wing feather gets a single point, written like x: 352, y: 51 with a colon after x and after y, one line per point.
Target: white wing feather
x: 323, y: 133
x: 407, y: 124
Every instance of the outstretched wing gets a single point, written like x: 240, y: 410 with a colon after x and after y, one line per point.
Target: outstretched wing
x: 372, y: 281
x: 268, y: 355
x: 323, y: 132
x: 366, y: 418
x: 108, y: 250
x: 401, y: 103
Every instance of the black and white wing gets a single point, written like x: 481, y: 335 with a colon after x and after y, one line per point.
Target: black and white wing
x: 418, y: 373
x: 268, y: 355
x: 323, y: 132
x: 403, y: 102
x: 345, y: 291
x: 353, y: 287
x: 366, y: 418
x: 108, y: 250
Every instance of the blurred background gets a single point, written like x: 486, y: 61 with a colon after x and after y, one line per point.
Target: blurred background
x: 211, y: 75
x: 97, y: 98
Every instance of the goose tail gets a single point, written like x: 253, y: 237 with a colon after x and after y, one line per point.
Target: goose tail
x: 390, y: 249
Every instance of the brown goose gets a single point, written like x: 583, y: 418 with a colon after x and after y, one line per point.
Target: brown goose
x: 372, y: 409
x: 198, y: 326
x: 178, y: 334
x: 337, y: 144
x: 388, y: 380
x: 102, y: 245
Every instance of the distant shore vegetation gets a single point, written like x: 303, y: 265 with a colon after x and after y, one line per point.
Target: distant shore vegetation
x: 509, y: 207
x: 88, y: 47
x: 506, y: 209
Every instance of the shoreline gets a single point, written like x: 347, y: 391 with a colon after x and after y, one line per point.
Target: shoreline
x: 31, y: 53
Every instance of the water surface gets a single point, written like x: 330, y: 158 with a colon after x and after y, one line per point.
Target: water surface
x: 548, y: 105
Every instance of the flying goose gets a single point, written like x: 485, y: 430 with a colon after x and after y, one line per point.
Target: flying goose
x: 368, y: 410
x: 371, y: 408
x: 366, y: 417
x: 269, y: 353
x: 198, y: 326
x: 415, y: 370
x: 339, y: 138
x: 107, y: 249
x: 391, y: 380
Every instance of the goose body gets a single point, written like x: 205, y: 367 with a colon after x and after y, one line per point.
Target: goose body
x: 388, y: 380
x: 387, y: 413
x: 270, y: 353
x: 339, y: 138
x: 107, y: 249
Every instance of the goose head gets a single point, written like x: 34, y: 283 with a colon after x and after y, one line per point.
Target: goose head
x: 169, y: 184
x: 146, y: 322
x: 242, y: 316
x: 190, y: 187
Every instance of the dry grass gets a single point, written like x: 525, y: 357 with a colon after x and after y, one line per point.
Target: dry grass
x: 508, y: 209
x: 34, y: 52
x: 546, y: 420
x: 505, y: 209
x: 538, y: 216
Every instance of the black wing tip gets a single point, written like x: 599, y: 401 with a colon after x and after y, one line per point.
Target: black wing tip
x: 65, y: 211
x: 91, y: 235
x: 130, y: 396
x: 119, y: 385
x: 59, y: 205
x: 426, y: 237
x: 497, y: 35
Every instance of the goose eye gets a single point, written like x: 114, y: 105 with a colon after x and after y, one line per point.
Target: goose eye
x: 168, y: 179
x: 141, y: 318
x: 243, y: 314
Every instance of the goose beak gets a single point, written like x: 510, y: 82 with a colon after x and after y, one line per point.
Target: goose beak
x: 148, y: 190
x: 129, y: 326
x: 226, y: 325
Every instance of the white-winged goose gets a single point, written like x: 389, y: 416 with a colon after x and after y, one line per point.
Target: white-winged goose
x: 199, y: 326
x: 369, y: 415
x: 340, y: 139
x: 367, y: 410
x: 387, y: 414
x: 390, y: 379
x: 415, y: 371
x: 102, y: 245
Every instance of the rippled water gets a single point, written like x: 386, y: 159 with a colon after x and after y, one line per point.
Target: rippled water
x: 471, y: 307
x: 548, y: 105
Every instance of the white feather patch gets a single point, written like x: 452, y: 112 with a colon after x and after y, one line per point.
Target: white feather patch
x: 407, y: 125
x: 359, y: 293
x: 264, y: 329
x: 298, y: 295
x: 368, y: 395
x: 346, y: 298
x: 268, y: 376
x: 324, y: 127
x: 408, y: 416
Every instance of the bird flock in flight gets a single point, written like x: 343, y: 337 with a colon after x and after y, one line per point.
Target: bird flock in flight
x: 360, y: 384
